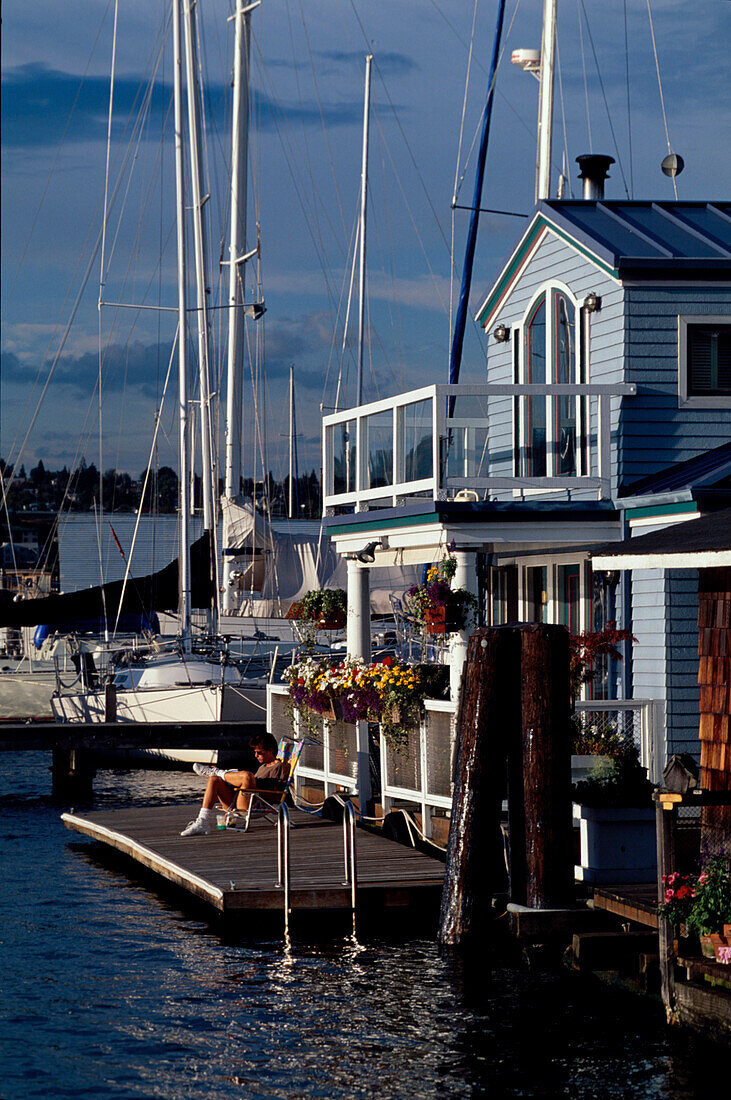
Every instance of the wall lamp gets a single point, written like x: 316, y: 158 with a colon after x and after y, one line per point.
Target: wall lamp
x: 592, y: 303
x: 368, y: 553
x: 501, y: 334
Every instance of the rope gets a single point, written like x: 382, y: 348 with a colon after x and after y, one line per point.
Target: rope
x: 659, y: 85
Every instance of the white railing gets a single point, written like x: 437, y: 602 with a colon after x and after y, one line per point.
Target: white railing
x: 639, y: 718
x: 332, y: 763
x: 438, y: 441
x: 420, y: 773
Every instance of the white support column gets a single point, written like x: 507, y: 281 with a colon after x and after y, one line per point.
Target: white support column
x: 358, y: 636
x: 464, y: 577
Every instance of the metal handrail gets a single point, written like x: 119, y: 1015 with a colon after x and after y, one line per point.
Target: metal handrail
x: 351, y: 866
x: 283, y: 867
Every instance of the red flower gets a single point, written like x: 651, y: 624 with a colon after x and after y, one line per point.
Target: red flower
x: 388, y: 661
x: 683, y: 892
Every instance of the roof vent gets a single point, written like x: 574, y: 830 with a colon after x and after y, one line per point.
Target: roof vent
x: 594, y: 169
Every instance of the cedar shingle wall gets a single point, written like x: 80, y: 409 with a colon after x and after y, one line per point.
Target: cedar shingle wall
x: 714, y: 678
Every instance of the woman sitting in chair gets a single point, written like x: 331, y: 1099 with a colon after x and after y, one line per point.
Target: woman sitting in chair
x: 228, y: 789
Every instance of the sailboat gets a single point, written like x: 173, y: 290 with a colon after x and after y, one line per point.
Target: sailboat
x: 190, y: 679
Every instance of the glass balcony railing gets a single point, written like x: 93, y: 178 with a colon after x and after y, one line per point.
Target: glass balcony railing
x: 472, y: 442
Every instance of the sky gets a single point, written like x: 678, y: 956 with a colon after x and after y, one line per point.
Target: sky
x: 307, y: 77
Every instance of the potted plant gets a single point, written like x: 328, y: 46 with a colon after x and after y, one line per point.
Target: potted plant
x: 438, y: 607
x: 702, y: 903
x: 325, y: 607
x: 593, y: 740
x: 616, y: 818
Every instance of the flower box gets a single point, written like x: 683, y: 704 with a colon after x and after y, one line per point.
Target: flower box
x: 617, y: 845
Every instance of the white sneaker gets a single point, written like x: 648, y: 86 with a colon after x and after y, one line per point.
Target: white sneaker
x: 207, y: 769
x: 198, y: 828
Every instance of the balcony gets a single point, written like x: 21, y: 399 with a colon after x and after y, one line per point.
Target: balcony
x: 496, y: 441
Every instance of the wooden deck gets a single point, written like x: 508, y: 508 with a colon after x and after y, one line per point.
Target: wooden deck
x: 633, y: 902
x: 237, y: 871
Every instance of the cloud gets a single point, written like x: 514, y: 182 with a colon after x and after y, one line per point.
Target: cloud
x: 388, y: 63
x: 40, y: 105
x: 136, y: 365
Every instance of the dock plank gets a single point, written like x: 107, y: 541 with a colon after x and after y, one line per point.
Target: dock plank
x: 233, y: 870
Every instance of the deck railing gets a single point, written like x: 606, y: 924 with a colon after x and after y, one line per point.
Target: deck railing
x: 442, y: 441
x: 420, y: 774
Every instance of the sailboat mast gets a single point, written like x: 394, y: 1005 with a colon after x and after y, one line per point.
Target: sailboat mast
x: 198, y: 200
x: 183, y: 488
x: 290, y: 508
x: 455, y: 358
x: 362, y: 232
x: 545, y: 108
x: 236, y: 261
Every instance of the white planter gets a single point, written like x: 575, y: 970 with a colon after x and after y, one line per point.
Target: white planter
x: 616, y: 845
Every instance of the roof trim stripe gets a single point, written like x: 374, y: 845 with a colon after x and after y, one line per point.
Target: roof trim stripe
x: 520, y: 257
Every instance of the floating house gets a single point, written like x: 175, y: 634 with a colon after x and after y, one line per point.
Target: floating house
x: 605, y: 413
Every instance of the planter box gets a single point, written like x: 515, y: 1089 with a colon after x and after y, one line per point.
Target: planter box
x: 617, y: 845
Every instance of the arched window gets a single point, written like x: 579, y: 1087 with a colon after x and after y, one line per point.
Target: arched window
x: 548, y: 443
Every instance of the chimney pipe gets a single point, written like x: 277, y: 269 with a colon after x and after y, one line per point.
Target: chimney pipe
x: 594, y: 170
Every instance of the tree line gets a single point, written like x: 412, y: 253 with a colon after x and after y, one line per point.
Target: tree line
x: 82, y: 490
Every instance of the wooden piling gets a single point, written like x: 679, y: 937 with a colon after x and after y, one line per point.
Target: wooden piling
x: 546, y: 751
x: 475, y: 867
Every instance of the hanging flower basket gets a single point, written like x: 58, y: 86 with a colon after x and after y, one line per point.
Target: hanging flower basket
x: 333, y: 711
x: 441, y: 620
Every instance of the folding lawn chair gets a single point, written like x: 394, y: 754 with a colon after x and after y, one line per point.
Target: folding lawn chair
x: 265, y: 803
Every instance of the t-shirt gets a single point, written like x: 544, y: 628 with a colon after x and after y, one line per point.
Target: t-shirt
x: 276, y: 770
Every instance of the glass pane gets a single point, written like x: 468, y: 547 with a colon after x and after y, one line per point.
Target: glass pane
x: 535, y: 407
x: 569, y: 588
x: 344, y: 457
x: 379, y: 429
x: 417, y: 420
x: 564, y: 370
x: 536, y: 595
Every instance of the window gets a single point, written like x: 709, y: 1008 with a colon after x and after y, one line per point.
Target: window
x: 704, y: 362
x: 548, y: 429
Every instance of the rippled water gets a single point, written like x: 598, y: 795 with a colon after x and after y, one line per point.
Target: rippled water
x: 110, y: 990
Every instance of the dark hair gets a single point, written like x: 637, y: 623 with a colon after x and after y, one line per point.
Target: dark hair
x: 265, y: 741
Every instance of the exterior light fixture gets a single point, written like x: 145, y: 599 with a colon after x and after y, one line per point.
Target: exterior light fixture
x: 592, y: 303
x: 501, y: 334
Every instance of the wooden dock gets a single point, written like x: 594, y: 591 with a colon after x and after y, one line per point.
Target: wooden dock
x: 235, y: 871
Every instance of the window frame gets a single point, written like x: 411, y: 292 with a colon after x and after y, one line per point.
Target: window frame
x: 547, y: 294
x: 691, y: 400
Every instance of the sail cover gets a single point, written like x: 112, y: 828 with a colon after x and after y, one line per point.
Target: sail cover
x: 274, y: 568
x: 142, y: 596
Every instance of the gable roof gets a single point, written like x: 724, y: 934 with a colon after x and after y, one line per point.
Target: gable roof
x: 628, y: 240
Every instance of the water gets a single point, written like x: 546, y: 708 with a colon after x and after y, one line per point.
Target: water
x: 109, y: 989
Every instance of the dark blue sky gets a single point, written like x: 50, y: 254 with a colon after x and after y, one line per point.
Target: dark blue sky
x: 307, y: 76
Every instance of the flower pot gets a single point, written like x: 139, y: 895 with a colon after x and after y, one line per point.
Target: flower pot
x: 396, y: 715
x: 337, y: 622
x: 441, y: 620
x: 617, y: 845
x: 708, y: 949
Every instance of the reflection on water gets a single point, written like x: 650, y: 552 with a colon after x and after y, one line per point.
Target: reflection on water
x: 110, y: 990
